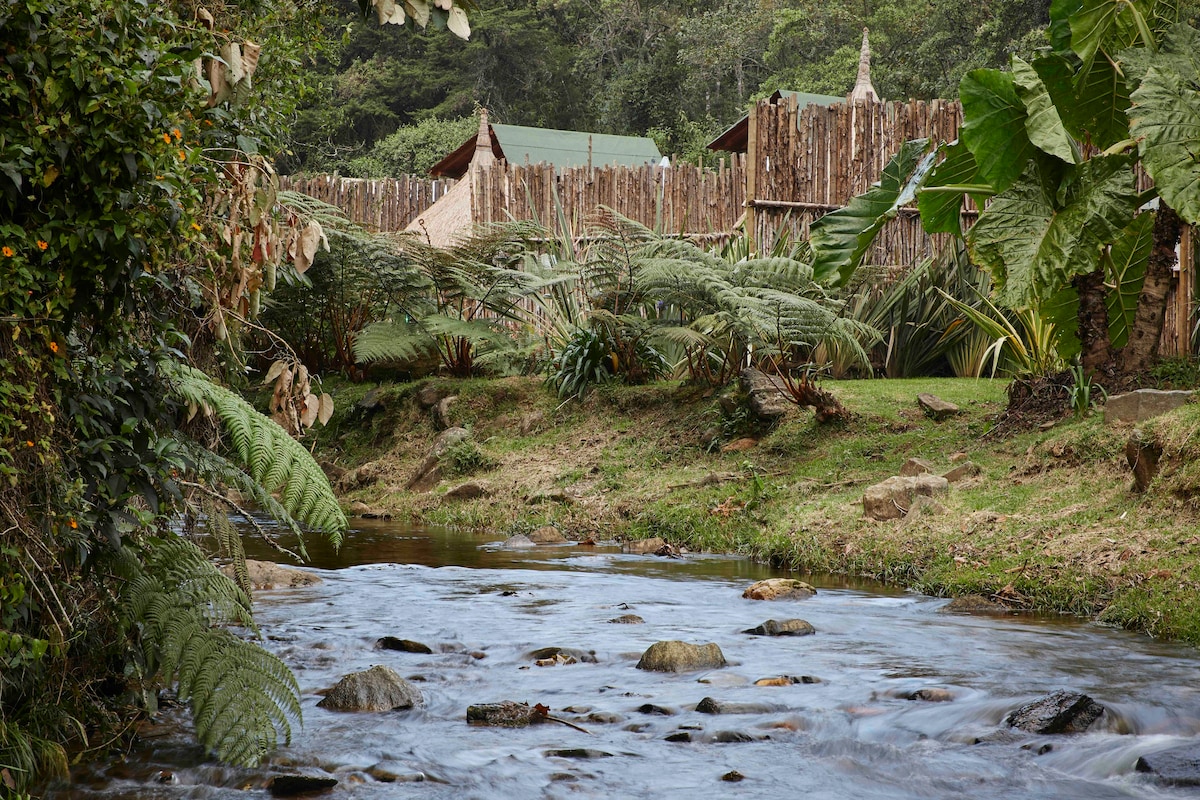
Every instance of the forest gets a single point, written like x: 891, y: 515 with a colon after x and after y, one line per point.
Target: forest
x: 176, y: 331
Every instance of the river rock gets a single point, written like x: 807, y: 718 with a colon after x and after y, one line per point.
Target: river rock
x: 402, y: 645
x: 973, y: 604
x: 587, y: 657
x: 787, y: 627
x: 1142, y: 455
x: 710, y: 705
x: 358, y: 509
x: 765, y: 395
x: 518, y: 542
x: 1179, y: 766
x: 506, y: 714
x: 547, y: 534
x: 779, y: 589
x: 786, y: 680
x: 424, y: 478
x: 677, y: 656
x: 360, y: 476
x: 916, y: 466
x: 644, y: 546
x: 1143, y: 404
x: 892, y: 498
x: 628, y: 619
x: 929, y: 694
x: 733, y: 776
x: 376, y: 689
x: 577, y: 752
x: 441, y: 412
x: 265, y: 575
x: 394, y: 772
x: 298, y: 785
x: 936, y: 407
x: 651, y: 708
x: 967, y: 469
x: 1058, y: 712
x: 730, y: 737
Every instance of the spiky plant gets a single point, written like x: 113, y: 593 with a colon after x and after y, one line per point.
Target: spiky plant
x: 457, y: 303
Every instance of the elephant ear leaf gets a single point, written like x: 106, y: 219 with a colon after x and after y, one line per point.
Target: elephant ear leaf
x: 1125, y: 270
x: 1043, y: 124
x: 841, y: 238
x: 1166, y: 121
x: 940, y: 198
x: 994, y: 126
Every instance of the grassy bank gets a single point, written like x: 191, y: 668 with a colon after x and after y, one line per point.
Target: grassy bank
x: 1049, y: 524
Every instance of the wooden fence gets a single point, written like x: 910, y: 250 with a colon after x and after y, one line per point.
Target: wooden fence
x: 386, y: 204
x: 805, y: 162
x: 679, y: 199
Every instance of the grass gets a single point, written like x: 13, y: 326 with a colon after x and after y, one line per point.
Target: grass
x: 1049, y: 525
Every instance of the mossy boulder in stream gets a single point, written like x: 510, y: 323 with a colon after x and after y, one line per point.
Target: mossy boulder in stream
x: 376, y: 689
x: 779, y: 589
x: 677, y: 656
x: 1057, y: 712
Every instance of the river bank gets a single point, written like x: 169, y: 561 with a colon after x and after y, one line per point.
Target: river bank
x: 1049, y: 522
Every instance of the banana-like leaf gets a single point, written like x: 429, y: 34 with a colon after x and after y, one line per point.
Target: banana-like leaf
x: 840, y: 239
x: 1126, y: 269
x: 1043, y: 124
x: 1035, y: 236
x: 1166, y: 121
x: 1098, y: 110
x: 1060, y: 23
x: 1110, y: 26
x: 994, y: 126
x: 938, y: 199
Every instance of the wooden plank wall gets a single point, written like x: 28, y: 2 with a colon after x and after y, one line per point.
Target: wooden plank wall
x: 384, y: 205
x: 810, y: 161
x: 679, y: 199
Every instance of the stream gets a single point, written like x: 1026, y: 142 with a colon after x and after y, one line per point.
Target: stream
x: 482, y: 609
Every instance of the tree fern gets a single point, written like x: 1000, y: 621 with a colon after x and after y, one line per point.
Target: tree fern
x: 243, y: 699
x: 272, y: 458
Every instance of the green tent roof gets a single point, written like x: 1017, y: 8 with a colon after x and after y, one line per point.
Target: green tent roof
x: 519, y: 144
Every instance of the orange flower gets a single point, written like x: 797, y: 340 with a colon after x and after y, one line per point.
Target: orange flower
x: 175, y: 132
x: 182, y: 156
x: 196, y: 226
x: 42, y: 245
x: 54, y: 347
x: 28, y: 443
x: 8, y: 251
x: 74, y: 524
x: 167, y: 138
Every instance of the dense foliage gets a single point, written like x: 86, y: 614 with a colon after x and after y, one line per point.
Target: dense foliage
x: 680, y: 72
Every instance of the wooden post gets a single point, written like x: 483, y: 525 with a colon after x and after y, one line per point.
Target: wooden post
x: 752, y: 174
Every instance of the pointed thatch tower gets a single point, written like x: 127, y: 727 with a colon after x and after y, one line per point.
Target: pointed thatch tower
x: 863, y: 91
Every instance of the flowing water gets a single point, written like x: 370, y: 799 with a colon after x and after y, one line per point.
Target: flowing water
x: 483, y: 609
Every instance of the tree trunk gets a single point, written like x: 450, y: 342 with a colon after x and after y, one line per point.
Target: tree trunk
x: 1096, y: 353
x: 1142, y: 349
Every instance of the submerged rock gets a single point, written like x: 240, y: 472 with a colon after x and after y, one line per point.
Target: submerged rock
x: 677, y: 656
x: 643, y: 546
x: 376, y: 689
x: 710, y: 705
x: 297, y: 785
x: 929, y: 694
x: 403, y: 645
x: 577, y: 752
x: 1179, y: 766
x: 584, y: 656
x: 779, y: 589
x: 265, y: 575
x: 1057, y: 712
x: 547, y: 534
x: 518, y: 542
x: 787, y: 627
x: 786, y: 680
x: 506, y: 714
x: 628, y: 619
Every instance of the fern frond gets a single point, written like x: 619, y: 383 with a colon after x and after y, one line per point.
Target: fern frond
x: 391, y: 341
x: 270, y: 456
x: 229, y: 544
x: 243, y: 699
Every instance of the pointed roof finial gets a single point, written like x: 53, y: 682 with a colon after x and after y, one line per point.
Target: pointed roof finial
x: 483, y: 143
x: 863, y: 90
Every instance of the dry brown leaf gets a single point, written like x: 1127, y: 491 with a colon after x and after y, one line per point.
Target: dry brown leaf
x: 325, y: 411
x: 206, y: 17
x: 217, y: 82
x: 274, y: 371
x: 306, y: 246
x: 232, y: 55
x: 458, y: 23
x: 311, y: 408
x: 390, y: 13
x: 250, y: 54
x: 419, y: 11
